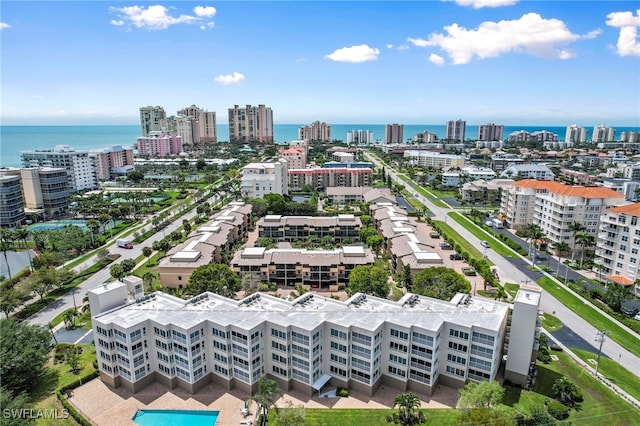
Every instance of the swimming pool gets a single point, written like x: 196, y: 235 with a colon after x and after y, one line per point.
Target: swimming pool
x: 175, y: 417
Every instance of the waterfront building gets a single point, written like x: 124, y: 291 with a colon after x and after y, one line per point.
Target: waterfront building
x: 321, y: 178
x: 152, y: 119
x: 359, y: 194
x: 576, y: 134
x: 11, y: 202
x: 360, y: 137
x: 456, y: 178
x: 112, y: 162
x: 299, y: 228
x: 365, y: 342
x: 202, y: 126
x: 490, y: 132
x: 425, y: 137
x: 537, y: 136
x: 206, y: 245
x: 78, y: 165
x: 456, y: 130
x: 482, y: 190
x: 630, y: 137
x: 251, y: 124
x: 433, y: 159
x: 296, y: 157
x: 259, y: 179
x: 393, y: 133
x: 315, y: 132
x: 602, y: 133
x: 528, y: 171
x: 618, y: 245
x: 159, y: 145
x: 318, y: 270
x: 45, y: 190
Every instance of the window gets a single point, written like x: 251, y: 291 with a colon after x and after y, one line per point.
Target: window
x: 459, y: 334
x: 397, y: 359
x: 398, y: 347
x: 397, y: 371
x: 399, y: 334
x: 457, y: 346
x: 456, y: 359
x: 484, y: 339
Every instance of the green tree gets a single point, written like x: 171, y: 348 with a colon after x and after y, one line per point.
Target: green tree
x: 147, y: 252
x: 616, y: 295
x: 186, y: 225
x: 117, y: 271
x: 375, y: 242
x: 439, y: 282
x: 9, y: 300
x: 24, y: 351
x: 575, y: 228
x: 561, y: 249
x: 368, y: 279
x: 268, y: 393
x: 366, y: 232
x: 42, y: 281
x: 219, y: 279
x: 46, y: 259
x: 9, y: 402
x: 69, y: 318
x: 6, y: 236
x: 147, y: 280
x: 291, y: 415
x: 564, y: 389
x: 485, y: 416
x: 408, y: 414
x: 128, y: 265
x: 481, y: 395
x: 407, y: 277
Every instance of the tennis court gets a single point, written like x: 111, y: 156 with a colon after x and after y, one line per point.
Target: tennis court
x: 58, y: 224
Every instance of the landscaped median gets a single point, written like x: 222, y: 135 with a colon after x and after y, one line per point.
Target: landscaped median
x: 496, y: 245
x: 591, y: 314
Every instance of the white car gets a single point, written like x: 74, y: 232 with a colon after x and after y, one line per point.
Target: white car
x: 484, y: 244
x: 637, y: 317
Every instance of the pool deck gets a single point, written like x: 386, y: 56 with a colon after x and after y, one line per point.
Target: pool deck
x: 105, y: 406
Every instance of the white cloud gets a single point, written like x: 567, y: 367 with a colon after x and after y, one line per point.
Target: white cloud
x: 436, y: 59
x: 204, y: 11
x: 208, y: 25
x: 479, y: 4
x: 158, y: 17
x: 628, y: 43
x: 4, y: 26
x: 389, y: 46
x: 529, y: 34
x: 228, y: 79
x: 354, y: 54
x: 403, y: 47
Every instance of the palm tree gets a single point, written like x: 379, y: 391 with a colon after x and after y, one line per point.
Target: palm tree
x: 599, y: 267
x: 147, y: 252
x: 575, y: 228
x: 535, y: 234
x: 407, y: 404
x: 6, y: 235
x: 69, y: 318
x: 560, y: 248
x: 268, y: 394
x: 583, y: 240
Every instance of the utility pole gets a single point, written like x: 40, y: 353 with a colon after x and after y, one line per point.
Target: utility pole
x: 600, y: 338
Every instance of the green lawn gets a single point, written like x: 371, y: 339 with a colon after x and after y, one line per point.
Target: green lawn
x: 369, y: 417
x: 57, y: 376
x: 593, y: 315
x: 496, y: 245
x: 457, y: 239
x: 613, y: 371
x: 511, y: 288
x: 551, y: 323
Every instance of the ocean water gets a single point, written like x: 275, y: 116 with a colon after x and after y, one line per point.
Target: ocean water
x: 14, y: 139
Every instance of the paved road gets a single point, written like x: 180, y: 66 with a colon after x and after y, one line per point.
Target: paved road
x: 18, y: 260
x: 46, y: 315
x: 515, y: 270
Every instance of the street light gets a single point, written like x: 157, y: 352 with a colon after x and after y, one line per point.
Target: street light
x: 600, y: 338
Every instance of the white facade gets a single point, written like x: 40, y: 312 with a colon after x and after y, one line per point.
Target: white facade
x: 434, y: 159
x: 361, y: 343
x: 360, y: 137
x: 456, y: 130
x: 575, y: 134
x: 523, y: 334
x: 602, y: 133
x: 259, y: 179
x: 78, y: 164
x: 107, y: 296
x: 528, y: 171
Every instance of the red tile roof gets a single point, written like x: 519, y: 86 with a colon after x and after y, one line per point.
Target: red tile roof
x: 572, y: 191
x: 619, y: 279
x: 630, y: 209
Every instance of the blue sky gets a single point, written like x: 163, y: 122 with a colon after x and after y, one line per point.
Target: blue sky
x: 505, y: 61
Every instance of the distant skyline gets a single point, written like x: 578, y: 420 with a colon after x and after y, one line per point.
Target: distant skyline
x: 504, y: 61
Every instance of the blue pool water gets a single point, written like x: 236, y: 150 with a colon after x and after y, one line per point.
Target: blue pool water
x: 175, y: 417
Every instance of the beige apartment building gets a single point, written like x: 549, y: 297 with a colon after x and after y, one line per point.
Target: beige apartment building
x: 315, y: 132
x: 618, y: 245
x: 300, y: 228
x: 433, y: 159
x: 205, y: 245
x: 296, y: 157
x: 251, y: 124
x: 321, y: 178
x: 555, y: 207
x: 45, y: 190
x: 322, y: 270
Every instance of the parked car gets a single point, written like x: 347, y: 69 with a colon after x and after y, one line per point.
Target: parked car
x: 637, y: 317
x: 485, y: 244
x: 455, y: 256
x: 446, y: 246
x: 540, y: 257
x: 629, y: 312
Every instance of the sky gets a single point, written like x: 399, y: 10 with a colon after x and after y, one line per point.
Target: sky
x: 505, y: 61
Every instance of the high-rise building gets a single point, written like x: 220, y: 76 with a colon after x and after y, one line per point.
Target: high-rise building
x: 11, y: 203
x: 490, y: 132
x: 202, y: 126
x: 158, y: 144
x: 79, y: 166
x: 112, y: 162
x: 315, y: 132
x: 456, y: 130
x: 296, y: 157
x: 359, y: 137
x: 259, y: 179
x: 152, y: 119
x: 393, y: 133
x: 251, y: 124
x: 45, y: 190
x: 602, y: 133
x: 630, y: 137
x: 425, y: 137
x: 576, y: 134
